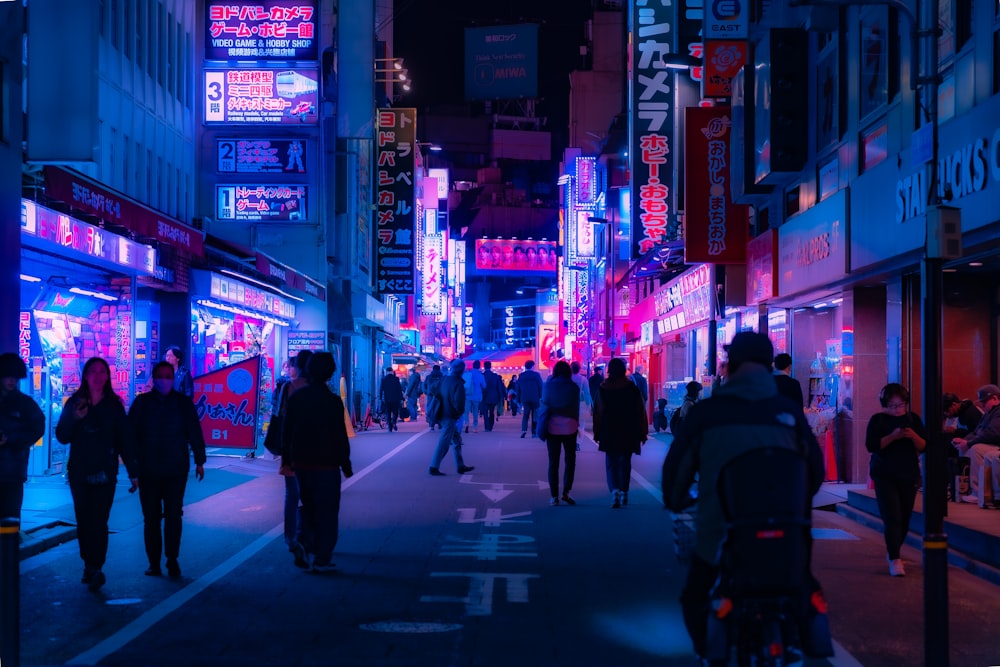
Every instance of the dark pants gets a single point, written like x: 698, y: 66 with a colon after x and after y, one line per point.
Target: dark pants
x: 11, y: 498
x: 619, y: 470
x: 530, y: 412
x: 489, y: 411
x: 392, y: 413
x: 566, y: 443
x: 319, y: 514
x: 162, y: 500
x: 694, y: 600
x: 92, y: 505
x: 895, y: 505
x: 291, y: 508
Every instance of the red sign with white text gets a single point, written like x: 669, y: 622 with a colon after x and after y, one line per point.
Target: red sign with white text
x: 723, y: 59
x: 227, y: 400
x: 715, y: 228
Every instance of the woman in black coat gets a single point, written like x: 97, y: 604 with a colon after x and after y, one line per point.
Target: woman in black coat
x: 94, y: 425
x: 560, y: 422
x: 620, y: 428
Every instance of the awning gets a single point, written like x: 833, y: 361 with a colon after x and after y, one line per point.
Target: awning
x: 509, y: 361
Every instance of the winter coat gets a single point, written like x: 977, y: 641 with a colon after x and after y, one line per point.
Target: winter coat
x: 97, y: 441
x: 313, y: 432
x: 413, y: 388
x: 561, y: 400
x: 163, y: 430
x: 183, y: 382
x: 432, y: 383
x: 743, y: 414
x: 529, y: 388
x: 475, y: 384
x: 642, y: 384
x: 790, y: 387
x: 494, y: 390
x: 22, y: 423
x: 620, y: 418
x: 452, y: 393
x: 391, y: 389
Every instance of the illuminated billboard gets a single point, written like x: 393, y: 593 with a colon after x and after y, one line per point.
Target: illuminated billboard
x: 395, y: 200
x: 261, y: 30
x: 501, y: 62
x: 260, y: 156
x: 268, y: 203
x: 261, y: 96
x: 513, y: 255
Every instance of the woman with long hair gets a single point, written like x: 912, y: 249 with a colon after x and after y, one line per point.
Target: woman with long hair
x: 561, y: 421
x: 94, y: 425
x: 620, y: 428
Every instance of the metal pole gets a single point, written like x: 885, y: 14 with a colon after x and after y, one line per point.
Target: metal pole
x: 10, y: 593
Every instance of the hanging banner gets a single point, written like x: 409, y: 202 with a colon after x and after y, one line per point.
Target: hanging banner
x: 394, y: 198
x: 227, y: 402
x: 722, y: 61
x: 715, y: 228
x: 432, y: 278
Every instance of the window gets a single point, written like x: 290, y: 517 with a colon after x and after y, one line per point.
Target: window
x: 170, y: 34
x: 116, y: 33
x: 129, y: 34
x: 188, y: 72
x: 163, y: 47
x: 996, y: 59
x: 151, y: 38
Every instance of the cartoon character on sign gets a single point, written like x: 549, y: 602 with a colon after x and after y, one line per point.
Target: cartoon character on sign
x: 295, y: 156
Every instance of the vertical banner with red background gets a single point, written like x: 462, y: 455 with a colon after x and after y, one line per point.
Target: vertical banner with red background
x: 227, y: 404
x: 715, y: 228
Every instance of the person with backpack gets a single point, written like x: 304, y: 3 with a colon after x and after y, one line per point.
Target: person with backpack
x: 452, y: 395
x: 432, y: 384
x: 693, y: 392
x: 492, y: 395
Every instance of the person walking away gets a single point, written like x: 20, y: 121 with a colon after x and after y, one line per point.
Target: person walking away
x: 512, y: 406
x: 787, y: 385
x: 692, y: 392
x: 895, y: 438
x: 529, y: 395
x: 21, y: 425
x: 561, y: 406
x: 643, y: 385
x: 493, y: 392
x: 584, y: 386
x: 452, y: 393
x: 318, y: 449
x: 620, y: 429
x: 166, y: 431
x: 183, y: 382
x: 475, y: 383
x: 742, y: 415
x: 391, y: 395
x: 93, y: 423
x: 413, y: 393
x: 594, y: 383
x: 982, y: 442
x: 432, y: 385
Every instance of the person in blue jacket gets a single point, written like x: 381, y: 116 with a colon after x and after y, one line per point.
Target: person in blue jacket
x: 529, y: 395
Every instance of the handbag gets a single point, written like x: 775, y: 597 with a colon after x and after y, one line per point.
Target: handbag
x: 542, y: 430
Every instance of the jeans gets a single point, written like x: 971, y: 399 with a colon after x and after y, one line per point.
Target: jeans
x: 319, y: 514
x: 530, y: 411
x: 291, y: 508
x: 92, y: 505
x: 472, y: 408
x: 566, y: 443
x: 619, y: 470
x: 895, y: 505
x: 162, y: 500
x: 411, y: 405
x: 489, y: 415
x: 449, y: 437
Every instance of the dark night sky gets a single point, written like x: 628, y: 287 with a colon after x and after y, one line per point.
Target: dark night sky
x: 429, y: 35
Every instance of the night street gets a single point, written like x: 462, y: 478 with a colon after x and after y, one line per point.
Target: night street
x: 475, y: 569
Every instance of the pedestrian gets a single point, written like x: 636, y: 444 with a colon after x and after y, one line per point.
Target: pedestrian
x: 166, y: 432
x: 318, y: 449
x: 452, y: 393
x: 93, y: 423
x: 432, y: 385
x: 896, y: 438
x: 643, y: 385
x: 692, y: 392
x: 620, y: 428
x: 183, y: 382
x: 512, y: 405
x: 391, y: 395
x: 298, y: 379
x: 594, y: 383
x: 743, y: 415
x: 561, y: 421
x: 475, y: 383
x: 529, y: 395
x: 787, y: 385
x: 493, y: 392
x: 413, y: 393
x: 22, y: 423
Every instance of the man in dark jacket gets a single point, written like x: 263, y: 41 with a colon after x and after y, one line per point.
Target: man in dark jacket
x: 413, y: 392
x: 432, y: 385
x: 640, y: 381
x: 391, y: 394
x: 594, y: 382
x: 165, y: 425
x: 452, y: 394
x: 317, y: 447
x: 492, y: 395
x: 983, y: 442
x: 529, y: 395
x: 21, y: 424
x: 787, y: 385
x: 745, y: 413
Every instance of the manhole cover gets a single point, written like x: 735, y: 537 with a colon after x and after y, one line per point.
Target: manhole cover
x: 411, y: 627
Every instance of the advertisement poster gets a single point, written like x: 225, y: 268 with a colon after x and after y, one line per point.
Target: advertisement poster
x: 261, y: 156
x: 269, y: 203
x: 514, y: 255
x: 305, y: 340
x: 226, y: 400
x: 261, y: 96
x: 261, y: 30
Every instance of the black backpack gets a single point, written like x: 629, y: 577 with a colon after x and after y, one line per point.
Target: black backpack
x: 675, y: 420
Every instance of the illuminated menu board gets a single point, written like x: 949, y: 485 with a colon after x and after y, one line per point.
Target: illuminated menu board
x: 262, y: 31
x: 260, y: 96
x: 269, y: 203
x: 261, y: 156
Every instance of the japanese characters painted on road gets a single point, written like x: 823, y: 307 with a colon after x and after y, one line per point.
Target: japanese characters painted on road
x: 227, y: 400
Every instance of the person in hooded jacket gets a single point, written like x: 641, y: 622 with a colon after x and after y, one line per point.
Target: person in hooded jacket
x: 620, y: 428
x: 561, y: 410
x: 452, y: 393
x: 93, y: 423
x: 166, y: 431
x: 432, y: 385
x: 21, y: 424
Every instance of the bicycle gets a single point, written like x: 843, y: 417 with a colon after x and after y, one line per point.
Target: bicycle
x: 372, y: 417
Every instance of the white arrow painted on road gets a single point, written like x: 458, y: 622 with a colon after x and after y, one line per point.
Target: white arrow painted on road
x: 497, y: 492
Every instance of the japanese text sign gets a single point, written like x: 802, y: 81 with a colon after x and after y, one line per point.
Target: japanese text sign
x: 394, y: 199
x: 274, y: 203
x: 226, y: 400
x: 261, y: 96
x: 432, y: 278
x: 261, y: 156
x: 262, y: 30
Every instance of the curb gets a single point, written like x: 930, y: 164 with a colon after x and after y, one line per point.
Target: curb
x: 44, y: 537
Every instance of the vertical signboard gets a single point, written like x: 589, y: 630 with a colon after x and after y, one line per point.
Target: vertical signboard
x: 261, y: 30
x: 432, y: 282
x: 394, y: 197
x: 584, y: 235
x: 226, y: 400
x: 651, y: 103
x: 716, y: 228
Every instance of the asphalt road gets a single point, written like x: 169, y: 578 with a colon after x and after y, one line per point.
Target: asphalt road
x: 460, y: 570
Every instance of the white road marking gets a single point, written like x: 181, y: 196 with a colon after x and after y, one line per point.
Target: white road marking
x: 490, y: 546
x: 494, y: 517
x: 479, y: 602
x: 144, y: 622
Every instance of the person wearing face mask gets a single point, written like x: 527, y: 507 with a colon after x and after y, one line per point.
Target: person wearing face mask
x: 165, y: 428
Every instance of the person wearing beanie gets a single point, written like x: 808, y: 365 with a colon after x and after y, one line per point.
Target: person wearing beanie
x: 22, y: 423
x: 452, y: 395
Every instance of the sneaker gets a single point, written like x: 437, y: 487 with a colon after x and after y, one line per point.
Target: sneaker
x: 323, y: 568
x: 523, y: 433
x: 173, y: 569
x: 301, y: 557
x: 624, y: 498
x: 553, y: 501
x: 616, y: 500
x: 97, y: 579
x: 435, y: 472
x: 465, y: 469
x: 566, y: 499
x: 896, y: 568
